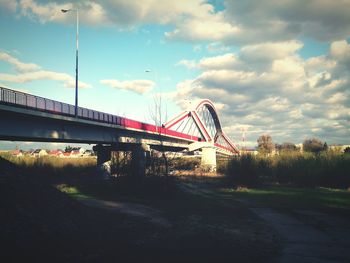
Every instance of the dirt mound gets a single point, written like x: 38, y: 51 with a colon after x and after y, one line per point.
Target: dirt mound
x: 41, y: 223
x: 7, y: 168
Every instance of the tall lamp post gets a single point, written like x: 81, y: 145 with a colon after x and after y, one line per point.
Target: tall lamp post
x: 76, y: 58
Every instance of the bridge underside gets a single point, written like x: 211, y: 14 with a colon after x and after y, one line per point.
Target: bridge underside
x: 19, y: 124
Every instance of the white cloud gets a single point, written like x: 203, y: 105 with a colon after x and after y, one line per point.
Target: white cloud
x: 340, y: 49
x: 217, y: 47
x: 139, y: 86
x: 190, y: 64
x: 20, y: 66
x: 68, y: 80
x: 323, y: 20
x: 315, y: 65
x: 8, y: 5
x: 295, y: 114
x: 250, y: 21
x: 121, y: 13
x: 268, y: 51
x: 211, y: 27
x: 193, y: 19
x: 32, y: 72
x: 51, y: 11
x: 225, y: 61
x: 336, y: 98
x: 278, y: 92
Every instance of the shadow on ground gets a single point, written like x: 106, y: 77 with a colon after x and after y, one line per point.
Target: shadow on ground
x: 41, y: 223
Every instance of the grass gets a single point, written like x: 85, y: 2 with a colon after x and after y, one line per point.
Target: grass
x: 289, y: 198
x: 48, y: 161
x: 51, y: 165
x: 72, y: 191
x: 40, y: 201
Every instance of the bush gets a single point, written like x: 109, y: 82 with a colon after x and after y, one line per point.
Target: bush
x: 243, y: 171
x: 314, y: 145
x: 185, y: 163
x: 325, y: 169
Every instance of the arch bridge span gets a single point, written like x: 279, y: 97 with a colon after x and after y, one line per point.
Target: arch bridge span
x: 203, y: 122
x: 33, y: 118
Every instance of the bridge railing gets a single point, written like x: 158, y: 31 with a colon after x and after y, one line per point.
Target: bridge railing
x: 25, y: 100
x: 22, y: 99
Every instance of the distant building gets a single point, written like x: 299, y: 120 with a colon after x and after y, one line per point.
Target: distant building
x: 74, y: 152
x: 39, y: 153
x: 251, y: 151
x: 66, y: 154
x: 300, y: 147
x: 57, y: 153
x: 17, y: 153
x: 340, y: 148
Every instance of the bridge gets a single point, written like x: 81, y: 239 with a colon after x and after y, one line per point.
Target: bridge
x: 25, y: 117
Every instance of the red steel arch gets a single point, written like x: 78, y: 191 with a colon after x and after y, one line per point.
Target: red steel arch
x: 217, y: 137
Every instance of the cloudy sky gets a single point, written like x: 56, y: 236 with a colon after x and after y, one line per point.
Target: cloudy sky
x: 280, y: 67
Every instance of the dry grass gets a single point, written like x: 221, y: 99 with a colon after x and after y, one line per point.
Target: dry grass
x: 51, y: 161
x: 306, y: 170
x: 51, y: 165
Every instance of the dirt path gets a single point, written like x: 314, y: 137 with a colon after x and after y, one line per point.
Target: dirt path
x: 137, y: 210
x: 304, y: 241
x: 308, y: 236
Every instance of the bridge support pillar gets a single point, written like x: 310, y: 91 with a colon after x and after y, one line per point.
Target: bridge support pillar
x: 104, y: 155
x: 139, y: 159
x: 208, y: 161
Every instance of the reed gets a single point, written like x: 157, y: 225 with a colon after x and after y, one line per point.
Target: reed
x: 328, y: 169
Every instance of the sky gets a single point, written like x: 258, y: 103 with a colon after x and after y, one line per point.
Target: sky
x: 278, y: 67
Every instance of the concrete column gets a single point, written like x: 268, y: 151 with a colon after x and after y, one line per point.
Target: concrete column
x: 208, y: 158
x: 139, y: 159
x: 104, y: 155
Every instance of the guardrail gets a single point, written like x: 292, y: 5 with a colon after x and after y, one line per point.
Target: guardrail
x: 25, y: 100
x: 22, y: 99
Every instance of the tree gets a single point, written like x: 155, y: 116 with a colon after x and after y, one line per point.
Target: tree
x: 325, y: 146
x: 265, y: 144
x: 288, y: 147
x: 347, y: 150
x: 68, y: 149
x: 156, y: 113
x: 314, y: 145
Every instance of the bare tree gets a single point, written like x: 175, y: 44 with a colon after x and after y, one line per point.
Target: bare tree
x: 157, y: 112
x: 314, y: 145
x: 286, y: 147
x: 265, y: 144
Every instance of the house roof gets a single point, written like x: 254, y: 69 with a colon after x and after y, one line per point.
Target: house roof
x: 55, y: 152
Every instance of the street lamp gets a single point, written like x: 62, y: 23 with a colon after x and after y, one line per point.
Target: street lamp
x: 76, y: 59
